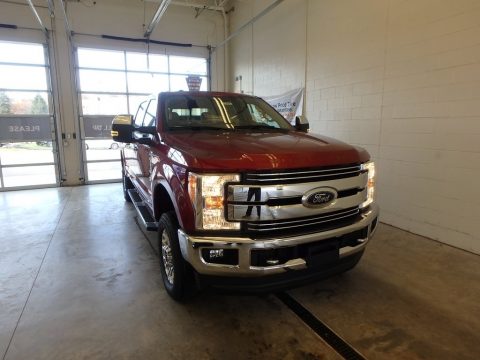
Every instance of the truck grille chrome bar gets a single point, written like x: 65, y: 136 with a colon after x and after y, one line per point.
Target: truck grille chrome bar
x: 310, y: 223
x: 304, y: 175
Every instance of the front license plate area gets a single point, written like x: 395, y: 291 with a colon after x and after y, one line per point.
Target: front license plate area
x: 322, y: 255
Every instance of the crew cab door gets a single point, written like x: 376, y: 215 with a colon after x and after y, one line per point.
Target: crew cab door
x: 137, y: 156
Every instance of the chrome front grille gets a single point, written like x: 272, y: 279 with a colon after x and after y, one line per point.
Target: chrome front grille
x: 276, y: 202
x: 284, y: 177
x: 311, y: 223
x: 284, y: 201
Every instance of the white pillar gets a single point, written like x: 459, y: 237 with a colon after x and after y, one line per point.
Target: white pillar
x: 65, y: 95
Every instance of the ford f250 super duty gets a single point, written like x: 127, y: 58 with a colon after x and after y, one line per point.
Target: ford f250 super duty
x: 240, y: 198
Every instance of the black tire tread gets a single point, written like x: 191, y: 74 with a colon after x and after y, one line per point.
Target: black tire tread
x: 183, y: 287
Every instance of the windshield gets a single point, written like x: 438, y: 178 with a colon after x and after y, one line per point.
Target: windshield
x: 199, y: 112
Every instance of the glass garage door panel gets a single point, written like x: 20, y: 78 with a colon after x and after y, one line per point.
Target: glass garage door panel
x: 104, y: 104
x: 140, y: 62
x: 21, y: 153
x: 102, y: 149
x: 147, y: 83
x: 188, y: 65
x: 28, y: 176
x: 16, y: 77
x: 22, y: 53
x: 24, y: 102
x: 27, y: 148
x: 104, y: 170
x: 101, y: 59
x: 102, y: 81
x: 101, y: 153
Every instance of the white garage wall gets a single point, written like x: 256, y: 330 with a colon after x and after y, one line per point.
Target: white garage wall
x: 110, y: 17
x: 271, y: 61
x: 399, y: 77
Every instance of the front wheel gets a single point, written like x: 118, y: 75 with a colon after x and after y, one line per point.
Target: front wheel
x: 176, y: 275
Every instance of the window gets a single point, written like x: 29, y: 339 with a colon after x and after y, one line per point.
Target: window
x: 151, y: 113
x: 141, y: 113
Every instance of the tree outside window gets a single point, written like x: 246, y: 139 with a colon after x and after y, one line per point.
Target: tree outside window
x: 5, y: 104
x: 39, y: 105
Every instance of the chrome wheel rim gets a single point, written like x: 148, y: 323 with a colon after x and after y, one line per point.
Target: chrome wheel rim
x: 167, y: 258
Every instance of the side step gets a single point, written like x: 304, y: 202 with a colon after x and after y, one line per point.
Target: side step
x: 142, y: 210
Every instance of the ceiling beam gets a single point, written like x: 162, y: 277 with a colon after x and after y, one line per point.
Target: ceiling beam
x: 191, y: 5
x: 156, y: 18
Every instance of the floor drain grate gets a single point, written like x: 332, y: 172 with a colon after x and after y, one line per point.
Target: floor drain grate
x: 332, y: 339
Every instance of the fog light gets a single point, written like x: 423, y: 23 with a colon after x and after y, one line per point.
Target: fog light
x: 271, y: 262
x: 220, y: 256
x: 216, y: 253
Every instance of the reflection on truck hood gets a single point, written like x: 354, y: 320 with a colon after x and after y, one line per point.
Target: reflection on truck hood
x: 220, y: 151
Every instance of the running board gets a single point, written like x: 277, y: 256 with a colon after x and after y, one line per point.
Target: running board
x: 142, y: 210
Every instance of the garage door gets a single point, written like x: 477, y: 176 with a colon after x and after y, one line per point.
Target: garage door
x: 115, y: 82
x: 28, y: 156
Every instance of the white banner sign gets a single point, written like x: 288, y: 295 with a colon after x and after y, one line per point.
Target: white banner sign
x: 289, y: 104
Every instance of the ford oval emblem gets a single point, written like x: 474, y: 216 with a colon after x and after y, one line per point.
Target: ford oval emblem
x: 319, y: 197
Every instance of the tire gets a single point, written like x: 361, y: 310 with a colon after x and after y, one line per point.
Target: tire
x: 176, y: 274
x: 114, y: 146
x: 127, y: 185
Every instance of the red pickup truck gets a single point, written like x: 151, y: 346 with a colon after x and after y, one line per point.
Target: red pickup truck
x: 240, y: 198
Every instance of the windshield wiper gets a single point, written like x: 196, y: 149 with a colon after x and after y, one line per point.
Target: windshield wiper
x: 260, y: 126
x: 199, y: 128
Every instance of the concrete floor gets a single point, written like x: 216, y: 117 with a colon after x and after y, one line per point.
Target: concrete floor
x: 78, y: 279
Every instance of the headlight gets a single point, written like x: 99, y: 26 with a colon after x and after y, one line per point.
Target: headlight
x: 370, y: 167
x: 207, y: 195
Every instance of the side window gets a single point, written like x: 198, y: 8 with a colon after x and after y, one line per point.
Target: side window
x: 151, y: 114
x: 141, y: 113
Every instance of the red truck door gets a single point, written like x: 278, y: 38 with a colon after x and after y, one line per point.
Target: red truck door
x: 135, y: 155
x: 143, y: 151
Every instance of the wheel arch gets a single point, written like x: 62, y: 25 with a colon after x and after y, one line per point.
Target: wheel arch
x: 162, y: 201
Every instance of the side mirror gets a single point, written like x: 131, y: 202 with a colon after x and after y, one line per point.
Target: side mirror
x: 301, y: 123
x: 122, y: 128
x: 143, y: 138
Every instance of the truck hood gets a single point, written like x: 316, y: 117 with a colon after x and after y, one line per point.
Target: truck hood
x: 219, y: 151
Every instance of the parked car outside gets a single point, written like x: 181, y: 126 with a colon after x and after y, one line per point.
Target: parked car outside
x: 101, y: 145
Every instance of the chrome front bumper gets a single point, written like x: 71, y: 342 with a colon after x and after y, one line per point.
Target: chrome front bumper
x: 191, y: 247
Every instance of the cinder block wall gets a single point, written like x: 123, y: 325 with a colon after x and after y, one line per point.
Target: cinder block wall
x: 270, y: 55
x: 400, y: 78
